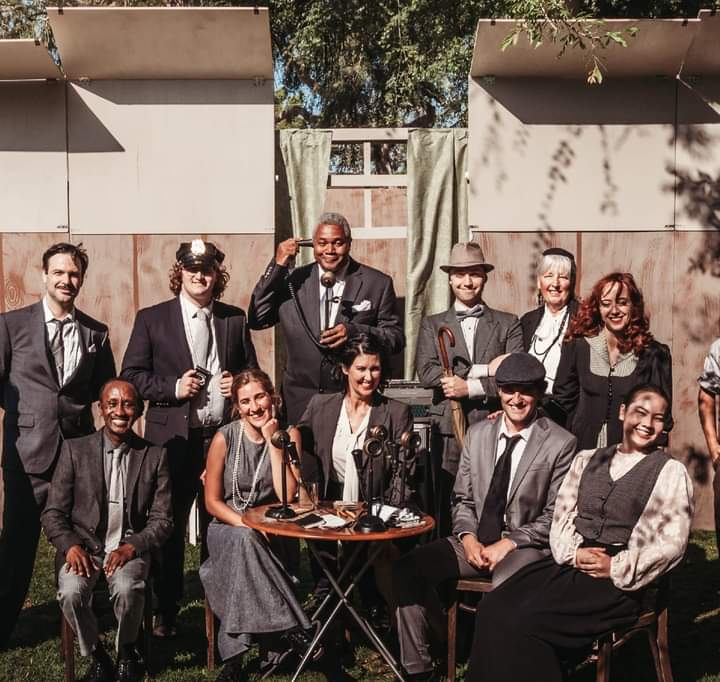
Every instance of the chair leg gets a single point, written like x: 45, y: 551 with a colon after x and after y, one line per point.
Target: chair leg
x: 604, y: 659
x: 452, y: 637
x: 210, y: 634
x: 663, y: 647
x: 147, y: 629
x: 67, y: 638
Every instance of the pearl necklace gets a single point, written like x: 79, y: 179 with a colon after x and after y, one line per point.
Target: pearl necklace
x: 239, y: 501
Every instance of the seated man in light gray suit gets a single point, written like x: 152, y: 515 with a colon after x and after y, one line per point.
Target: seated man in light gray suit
x: 510, y: 471
x: 108, y: 509
x: 483, y: 336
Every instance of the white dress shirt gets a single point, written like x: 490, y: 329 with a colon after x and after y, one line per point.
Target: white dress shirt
x: 345, y: 441
x: 335, y: 294
x: 208, y: 406
x: 546, y: 343
x: 72, y: 351
x: 477, y: 372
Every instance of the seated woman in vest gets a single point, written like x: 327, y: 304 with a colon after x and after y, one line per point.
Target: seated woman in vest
x: 244, y: 578
x: 622, y: 519
x: 333, y: 425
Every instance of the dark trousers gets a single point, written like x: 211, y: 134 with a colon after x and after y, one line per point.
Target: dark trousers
x: 521, y: 626
x: 25, y: 498
x: 186, y: 460
x: 716, y: 499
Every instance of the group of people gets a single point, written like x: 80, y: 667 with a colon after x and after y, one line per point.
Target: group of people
x: 516, y: 501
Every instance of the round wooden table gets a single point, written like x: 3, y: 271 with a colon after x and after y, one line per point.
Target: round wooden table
x: 255, y: 518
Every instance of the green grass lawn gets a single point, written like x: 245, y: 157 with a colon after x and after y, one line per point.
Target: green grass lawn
x: 34, y: 653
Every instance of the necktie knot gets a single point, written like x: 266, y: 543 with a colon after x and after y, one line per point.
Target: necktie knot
x: 476, y: 311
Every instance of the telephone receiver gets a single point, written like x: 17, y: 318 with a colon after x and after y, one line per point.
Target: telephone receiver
x: 304, y: 242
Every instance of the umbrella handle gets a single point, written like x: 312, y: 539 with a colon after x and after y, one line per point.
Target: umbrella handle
x: 443, y: 332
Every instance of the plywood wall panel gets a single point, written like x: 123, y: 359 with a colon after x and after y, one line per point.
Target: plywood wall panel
x: 155, y: 255
x: 246, y: 257
x: 347, y: 201
x: 512, y: 286
x: 108, y: 292
x: 389, y: 207
x: 696, y: 324
x: 648, y: 256
x: 387, y: 255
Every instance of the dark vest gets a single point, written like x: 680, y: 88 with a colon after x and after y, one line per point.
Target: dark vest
x: 609, y: 510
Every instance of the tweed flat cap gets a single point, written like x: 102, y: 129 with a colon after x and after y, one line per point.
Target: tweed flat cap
x: 521, y: 369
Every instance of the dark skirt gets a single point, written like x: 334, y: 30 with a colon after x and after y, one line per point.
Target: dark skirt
x: 523, y: 625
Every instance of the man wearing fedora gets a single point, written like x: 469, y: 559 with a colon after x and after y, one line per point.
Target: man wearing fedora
x: 483, y: 336
x: 181, y: 357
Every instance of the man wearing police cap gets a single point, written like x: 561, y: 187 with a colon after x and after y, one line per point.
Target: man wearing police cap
x: 181, y: 357
x: 510, y: 472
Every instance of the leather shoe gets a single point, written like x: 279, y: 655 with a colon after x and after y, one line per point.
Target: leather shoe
x: 130, y: 669
x: 99, y: 671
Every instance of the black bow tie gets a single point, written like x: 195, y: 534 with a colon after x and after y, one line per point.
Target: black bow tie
x: 475, y: 311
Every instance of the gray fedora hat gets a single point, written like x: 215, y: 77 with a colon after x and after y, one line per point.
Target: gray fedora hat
x: 467, y: 255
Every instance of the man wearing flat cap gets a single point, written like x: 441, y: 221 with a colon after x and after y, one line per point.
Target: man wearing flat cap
x: 483, y: 336
x: 510, y: 472
x: 181, y: 357
x: 360, y: 300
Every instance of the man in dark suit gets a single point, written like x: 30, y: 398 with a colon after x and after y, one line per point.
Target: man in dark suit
x: 182, y: 356
x: 108, y: 510
x: 483, y: 336
x: 53, y: 361
x: 504, y: 497
x: 361, y: 300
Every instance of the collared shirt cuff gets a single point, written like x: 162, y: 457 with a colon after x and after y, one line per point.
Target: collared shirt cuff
x: 475, y: 388
x: 479, y: 372
x: 463, y: 533
x: 177, y: 390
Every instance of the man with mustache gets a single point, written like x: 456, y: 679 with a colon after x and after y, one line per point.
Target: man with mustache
x: 108, y: 510
x: 53, y: 361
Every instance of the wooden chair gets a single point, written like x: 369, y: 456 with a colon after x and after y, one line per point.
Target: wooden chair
x: 67, y: 638
x: 653, y: 621
x: 481, y: 585
x: 210, y: 629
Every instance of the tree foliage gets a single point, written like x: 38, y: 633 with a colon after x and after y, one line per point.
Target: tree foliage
x: 389, y: 62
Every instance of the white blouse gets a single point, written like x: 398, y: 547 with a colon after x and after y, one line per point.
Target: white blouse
x: 345, y: 441
x: 547, y: 341
x: 658, y: 540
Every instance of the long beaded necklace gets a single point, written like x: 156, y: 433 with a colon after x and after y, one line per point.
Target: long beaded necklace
x: 542, y: 354
x: 239, y: 501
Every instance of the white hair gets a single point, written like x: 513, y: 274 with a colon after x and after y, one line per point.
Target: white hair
x: 554, y: 261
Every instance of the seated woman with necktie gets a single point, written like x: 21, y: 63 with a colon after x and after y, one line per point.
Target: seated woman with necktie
x: 334, y: 425
x: 622, y: 519
x: 244, y: 578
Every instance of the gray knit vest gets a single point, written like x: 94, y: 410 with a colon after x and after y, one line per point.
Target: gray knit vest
x: 608, y: 510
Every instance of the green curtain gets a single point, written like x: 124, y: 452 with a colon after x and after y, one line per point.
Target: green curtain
x: 306, y: 155
x: 437, y: 219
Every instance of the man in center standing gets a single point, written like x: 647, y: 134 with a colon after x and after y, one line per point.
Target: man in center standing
x: 182, y: 356
x: 362, y: 301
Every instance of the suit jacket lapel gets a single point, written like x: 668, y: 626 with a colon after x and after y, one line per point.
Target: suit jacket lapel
x: 461, y: 349
x: 39, y: 341
x: 220, y: 323
x: 486, y: 459
x: 483, y: 332
x: 95, y: 467
x: 176, y: 329
x: 135, y: 460
x: 308, y: 294
x: 353, y: 285
x: 538, y: 434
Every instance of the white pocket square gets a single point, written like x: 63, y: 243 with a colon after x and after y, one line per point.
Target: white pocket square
x: 91, y: 348
x: 362, y: 306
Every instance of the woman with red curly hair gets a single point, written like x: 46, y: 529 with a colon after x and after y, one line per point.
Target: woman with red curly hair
x: 609, y: 349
